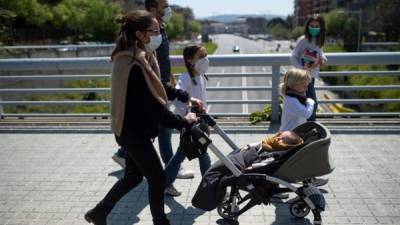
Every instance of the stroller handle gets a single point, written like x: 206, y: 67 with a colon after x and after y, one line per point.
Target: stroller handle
x: 212, y: 123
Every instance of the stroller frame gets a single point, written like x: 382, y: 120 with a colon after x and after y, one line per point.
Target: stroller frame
x: 229, y: 208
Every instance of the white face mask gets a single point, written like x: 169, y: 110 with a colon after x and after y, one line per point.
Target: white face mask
x: 154, y: 43
x: 167, y: 14
x: 201, y: 65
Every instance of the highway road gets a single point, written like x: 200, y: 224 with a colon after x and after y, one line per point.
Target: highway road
x: 225, y: 44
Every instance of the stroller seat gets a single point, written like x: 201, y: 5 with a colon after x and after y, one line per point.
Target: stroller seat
x: 223, y: 185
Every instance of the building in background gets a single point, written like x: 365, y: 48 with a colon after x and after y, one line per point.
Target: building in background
x: 304, y: 8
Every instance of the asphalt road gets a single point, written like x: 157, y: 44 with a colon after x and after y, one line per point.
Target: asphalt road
x: 225, y: 44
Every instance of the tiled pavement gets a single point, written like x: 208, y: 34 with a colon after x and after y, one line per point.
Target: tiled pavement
x: 56, y: 178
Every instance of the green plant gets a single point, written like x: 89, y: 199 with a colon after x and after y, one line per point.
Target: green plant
x: 258, y: 116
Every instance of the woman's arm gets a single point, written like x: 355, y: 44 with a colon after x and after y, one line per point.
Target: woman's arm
x: 149, y: 104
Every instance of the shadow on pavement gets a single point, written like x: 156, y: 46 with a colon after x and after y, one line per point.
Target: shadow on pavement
x: 282, y: 215
x: 186, y: 215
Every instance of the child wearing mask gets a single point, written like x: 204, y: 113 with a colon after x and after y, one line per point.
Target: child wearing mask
x: 308, y: 54
x: 297, y: 108
x: 194, y: 82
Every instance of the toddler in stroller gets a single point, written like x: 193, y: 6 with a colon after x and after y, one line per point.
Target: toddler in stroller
x: 223, y: 185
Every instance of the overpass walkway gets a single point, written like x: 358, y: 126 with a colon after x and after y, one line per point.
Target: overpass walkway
x: 55, y: 177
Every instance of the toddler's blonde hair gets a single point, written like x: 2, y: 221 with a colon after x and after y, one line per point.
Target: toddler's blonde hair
x: 293, y: 77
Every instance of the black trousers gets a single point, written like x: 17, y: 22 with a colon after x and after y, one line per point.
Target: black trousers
x: 141, y: 160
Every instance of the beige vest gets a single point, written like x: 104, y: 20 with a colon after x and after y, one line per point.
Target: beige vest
x: 122, y: 64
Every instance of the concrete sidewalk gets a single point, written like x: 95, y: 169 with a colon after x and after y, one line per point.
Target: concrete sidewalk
x: 56, y: 178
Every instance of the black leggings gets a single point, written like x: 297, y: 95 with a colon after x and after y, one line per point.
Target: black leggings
x: 141, y: 160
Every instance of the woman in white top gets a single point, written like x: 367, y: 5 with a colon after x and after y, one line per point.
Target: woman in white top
x: 194, y: 82
x: 308, y: 54
x: 297, y: 108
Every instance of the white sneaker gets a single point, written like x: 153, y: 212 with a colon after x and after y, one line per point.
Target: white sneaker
x: 171, y: 191
x: 119, y: 160
x: 185, y: 174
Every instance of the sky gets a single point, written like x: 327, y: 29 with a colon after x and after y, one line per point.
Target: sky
x: 205, y: 8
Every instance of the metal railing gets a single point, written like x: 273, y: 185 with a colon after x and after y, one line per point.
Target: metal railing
x: 276, y: 61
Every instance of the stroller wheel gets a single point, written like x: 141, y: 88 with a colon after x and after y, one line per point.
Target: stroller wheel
x: 299, y: 209
x: 225, y: 210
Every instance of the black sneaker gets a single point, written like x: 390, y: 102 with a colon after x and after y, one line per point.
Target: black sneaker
x: 95, y: 217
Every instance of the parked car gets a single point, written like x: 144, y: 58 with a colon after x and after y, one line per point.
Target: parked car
x: 236, y: 48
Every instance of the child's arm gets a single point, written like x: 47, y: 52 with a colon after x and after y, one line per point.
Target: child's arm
x: 296, y: 53
x: 183, y: 84
x: 295, y: 108
x: 322, y: 59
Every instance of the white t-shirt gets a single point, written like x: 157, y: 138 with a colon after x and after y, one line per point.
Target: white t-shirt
x: 305, y: 49
x: 294, y: 113
x: 197, y: 91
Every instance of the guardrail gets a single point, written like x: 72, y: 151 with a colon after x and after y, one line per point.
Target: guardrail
x: 276, y: 61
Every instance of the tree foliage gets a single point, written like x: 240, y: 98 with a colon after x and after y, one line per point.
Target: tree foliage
x: 342, y: 25
x: 383, y: 16
x: 89, y: 19
x: 280, y: 32
x: 31, y: 11
x: 175, y: 25
x: 194, y: 26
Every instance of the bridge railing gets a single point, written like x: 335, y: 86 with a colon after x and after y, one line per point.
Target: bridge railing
x: 276, y: 61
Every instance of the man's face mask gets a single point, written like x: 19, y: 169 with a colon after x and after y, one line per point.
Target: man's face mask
x: 167, y: 14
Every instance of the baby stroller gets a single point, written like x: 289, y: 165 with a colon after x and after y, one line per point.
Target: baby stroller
x: 223, y: 185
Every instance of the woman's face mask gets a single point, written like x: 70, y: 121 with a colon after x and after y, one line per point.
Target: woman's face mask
x: 201, y: 65
x: 155, y: 41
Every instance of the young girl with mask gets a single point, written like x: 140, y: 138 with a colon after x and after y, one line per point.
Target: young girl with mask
x: 297, y: 108
x: 308, y: 54
x: 138, y: 107
x: 194, y: 82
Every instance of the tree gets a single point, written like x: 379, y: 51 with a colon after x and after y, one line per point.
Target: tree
x: 175, y: 25
x: 91, y: 19
x: 384, y: 16
x: 280, y: 32
x: 277, y: 20
x: 335, y: 22
x: 6, y: 19
x: 99, y: 21
x: 194, y: 26
x: 343, y: 25
x: 31, y: 12
x: 297, y: 32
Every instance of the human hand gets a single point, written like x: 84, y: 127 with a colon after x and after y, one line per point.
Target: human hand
x: 310, y: 101
x: 322, y: 62
x: 191, y: 117
x: 196, y: 102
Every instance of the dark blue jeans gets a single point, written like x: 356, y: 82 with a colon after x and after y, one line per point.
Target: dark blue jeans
x: 310, y: 93
x: 172, y: 168
x: 164, y: 144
